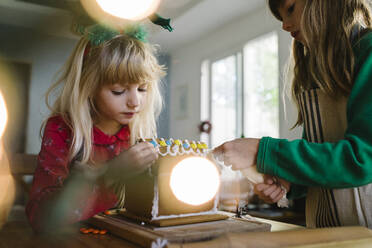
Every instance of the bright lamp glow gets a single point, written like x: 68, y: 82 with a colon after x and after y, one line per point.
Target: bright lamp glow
x: 3, y: 115
x: 129, y: 9
x: 195, y: 180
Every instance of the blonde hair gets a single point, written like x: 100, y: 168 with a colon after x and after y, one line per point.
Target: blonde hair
x: 124, y: 60
x: 327, y: 60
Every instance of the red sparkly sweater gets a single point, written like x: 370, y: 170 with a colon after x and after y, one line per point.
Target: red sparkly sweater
x: 54, y: 168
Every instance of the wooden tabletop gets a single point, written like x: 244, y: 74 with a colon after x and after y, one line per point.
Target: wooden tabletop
x: 18, y: 233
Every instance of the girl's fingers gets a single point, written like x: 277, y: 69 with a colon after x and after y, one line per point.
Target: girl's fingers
x: 260, y: 187
x: 280, y: 196
x: 260, y: 190
x: 285, y: 184
x: 148, y: 156
x: 268, y: 179
x: 144, y: 146
x: 227, y: 161
x: 144, y: 149
x: 275, y: 193
x: 150, y: 153
x: 270, y: 190
x: 269, y: 193
x: 218, y: 151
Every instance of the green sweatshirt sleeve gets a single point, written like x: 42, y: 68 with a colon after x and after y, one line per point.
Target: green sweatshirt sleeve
x: 297, y: 191
x: 346, y: 163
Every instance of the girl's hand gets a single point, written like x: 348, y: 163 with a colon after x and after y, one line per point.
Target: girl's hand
x: 239, y: 153
x: 271, y: 191
x: 139, y: 157
x: 133, y: 161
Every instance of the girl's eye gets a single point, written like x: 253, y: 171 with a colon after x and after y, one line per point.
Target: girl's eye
x: 117, y: 93
x: 142, y: 88
x: 291, y: 9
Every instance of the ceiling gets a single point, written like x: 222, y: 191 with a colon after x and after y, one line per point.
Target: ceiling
x: 191, y: 19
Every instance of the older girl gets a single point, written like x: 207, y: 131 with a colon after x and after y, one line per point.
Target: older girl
x: 332, y: 164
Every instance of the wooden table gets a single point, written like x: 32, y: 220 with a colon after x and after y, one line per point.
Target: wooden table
x: 18, y: 233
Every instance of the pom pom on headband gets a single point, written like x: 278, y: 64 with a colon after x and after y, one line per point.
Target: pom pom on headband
x: 97, y: 34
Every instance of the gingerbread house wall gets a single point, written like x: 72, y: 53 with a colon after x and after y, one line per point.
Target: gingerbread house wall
x: 149, y: 195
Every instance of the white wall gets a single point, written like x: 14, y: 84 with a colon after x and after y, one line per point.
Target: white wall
x: 46, y: 54
x: 186, y: 63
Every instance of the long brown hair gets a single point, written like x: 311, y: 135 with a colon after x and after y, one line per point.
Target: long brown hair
x: 327, y: 60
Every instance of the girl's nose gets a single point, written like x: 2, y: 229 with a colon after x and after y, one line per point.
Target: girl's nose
x: 133, y: 100
x: 286, y: 25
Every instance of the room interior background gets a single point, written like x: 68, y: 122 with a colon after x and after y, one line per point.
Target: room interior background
x: 36, y: 41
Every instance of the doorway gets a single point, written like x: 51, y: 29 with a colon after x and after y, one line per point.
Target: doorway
x: 14, y: 85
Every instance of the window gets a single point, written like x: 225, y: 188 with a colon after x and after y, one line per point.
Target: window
x: 261, y: 76
x: 240, y: 92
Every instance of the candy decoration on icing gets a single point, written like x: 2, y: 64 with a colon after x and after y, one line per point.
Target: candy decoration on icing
x: 154, y: 143
x: 169, y: 142
x: 177, y: 142
x: 186, y: 144
x: 162, y: 143
x: 178, y: 147
x: 193, y: 145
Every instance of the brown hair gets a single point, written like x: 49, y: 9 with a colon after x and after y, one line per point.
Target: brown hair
x: 327, y: 59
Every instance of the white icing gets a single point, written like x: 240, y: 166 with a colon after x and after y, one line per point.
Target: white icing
x: 213, y: 211
x: 174, y: 151
x: 166, y: 152
x: 155, y: 201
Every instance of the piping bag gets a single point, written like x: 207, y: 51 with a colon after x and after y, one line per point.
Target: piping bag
x: 252, y: 176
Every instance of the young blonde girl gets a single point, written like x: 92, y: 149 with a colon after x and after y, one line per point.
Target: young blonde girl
x: 108, y: 97
x: 331, y: 86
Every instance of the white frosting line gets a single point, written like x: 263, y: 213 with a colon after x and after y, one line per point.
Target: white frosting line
x: 155, y: 201
x: 213, y: 211
x: 177, y: 151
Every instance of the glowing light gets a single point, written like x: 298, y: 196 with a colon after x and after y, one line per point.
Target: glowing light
x: 129, y: 9
x: 3, y: 115
x: 6, y: 179
x: 195, y: 180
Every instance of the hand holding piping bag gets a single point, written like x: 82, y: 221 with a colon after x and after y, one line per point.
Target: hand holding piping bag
x: 273, y: 190
x: 241, y: 154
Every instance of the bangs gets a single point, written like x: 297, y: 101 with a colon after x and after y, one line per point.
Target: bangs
x: 128, y: 63
x: 274, y: 8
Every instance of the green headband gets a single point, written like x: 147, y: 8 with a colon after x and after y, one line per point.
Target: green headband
x: 97, y: 34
